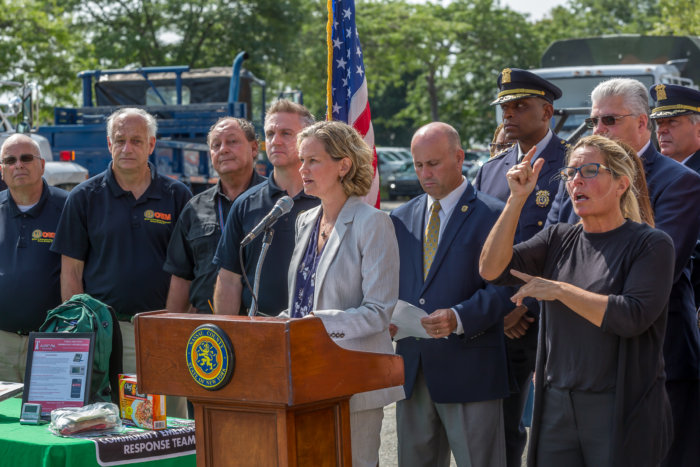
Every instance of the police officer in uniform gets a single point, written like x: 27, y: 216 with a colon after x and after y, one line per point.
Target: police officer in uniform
x: 29, y: 271
x: 677, y: 116
x: 527, y: 104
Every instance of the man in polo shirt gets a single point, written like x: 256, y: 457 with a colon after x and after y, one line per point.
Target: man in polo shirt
x: 115, y: 228
x: 29, y: 271
x: 283, y: 121
x: 233, y: 147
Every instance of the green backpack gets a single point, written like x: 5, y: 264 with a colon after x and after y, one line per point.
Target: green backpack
x: 82, y: 313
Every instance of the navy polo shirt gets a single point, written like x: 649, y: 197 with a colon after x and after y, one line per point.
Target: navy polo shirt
x: 29, y: 270
x: 122, y: 240
x: 246, y: 212
x: 193, y: 243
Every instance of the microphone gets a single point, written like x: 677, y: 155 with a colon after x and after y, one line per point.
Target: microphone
x: 281, y: 207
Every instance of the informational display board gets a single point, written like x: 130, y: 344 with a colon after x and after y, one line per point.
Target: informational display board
x: 59, y: 366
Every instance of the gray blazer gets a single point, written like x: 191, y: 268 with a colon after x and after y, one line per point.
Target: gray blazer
x: 357, y: 284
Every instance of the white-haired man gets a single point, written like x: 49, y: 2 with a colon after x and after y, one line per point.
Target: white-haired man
x: 114, y: 231
x: 29, y: 271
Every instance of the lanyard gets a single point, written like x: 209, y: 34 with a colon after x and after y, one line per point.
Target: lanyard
x: 221, y: 213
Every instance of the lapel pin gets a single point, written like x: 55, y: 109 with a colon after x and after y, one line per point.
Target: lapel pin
x: 464, y: 208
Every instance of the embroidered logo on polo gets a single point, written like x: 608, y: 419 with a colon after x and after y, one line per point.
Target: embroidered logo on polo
x: 210, y: 358
x: 43, y: 237
x: 156, y: 217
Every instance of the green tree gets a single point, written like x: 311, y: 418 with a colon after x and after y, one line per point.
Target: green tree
x: 39, y: 44
x: 678, y: 17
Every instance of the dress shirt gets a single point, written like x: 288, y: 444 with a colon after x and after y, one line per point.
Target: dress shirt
x: 447, y: 205
x: 541, y: 144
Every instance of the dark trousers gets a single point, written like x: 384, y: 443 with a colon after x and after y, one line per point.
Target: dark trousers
x: 521, y: 365
x: 576, y: 428
x: 685, y: 405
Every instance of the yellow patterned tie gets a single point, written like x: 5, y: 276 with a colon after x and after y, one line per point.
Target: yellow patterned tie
x: 430, y: 239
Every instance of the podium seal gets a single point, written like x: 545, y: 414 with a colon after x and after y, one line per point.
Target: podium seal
x: 210, y: 358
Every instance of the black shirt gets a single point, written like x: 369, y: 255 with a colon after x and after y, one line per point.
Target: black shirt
x: 632, y: 264
x: 246, y: 212
x: 194, y: 240
x: 29, y: 271
x: 122, y: 240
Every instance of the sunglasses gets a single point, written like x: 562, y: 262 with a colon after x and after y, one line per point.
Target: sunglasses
x: 25, y: 158
x: 589, y: 170
x: 607, y: 120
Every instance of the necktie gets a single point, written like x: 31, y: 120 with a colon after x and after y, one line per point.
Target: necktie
x: 430, y: 239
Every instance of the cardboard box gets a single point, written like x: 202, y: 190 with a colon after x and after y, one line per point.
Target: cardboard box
x: 141, y: 410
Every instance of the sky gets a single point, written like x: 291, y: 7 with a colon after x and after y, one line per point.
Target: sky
x: 536, y: 8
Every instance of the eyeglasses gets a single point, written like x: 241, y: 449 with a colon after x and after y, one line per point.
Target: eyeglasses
x: 589, y: 170
x: 607, y: 120
x: 25, y: 158
x: 498, y: 147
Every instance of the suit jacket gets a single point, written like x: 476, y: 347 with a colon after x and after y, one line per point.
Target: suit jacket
x: 693, y: 163
x: 356, y: 284
x: 674, y: 193
x: 470, y: 367
x: 491, y: 179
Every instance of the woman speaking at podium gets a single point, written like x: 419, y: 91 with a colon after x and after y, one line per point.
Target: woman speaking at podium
x: 345, y: 266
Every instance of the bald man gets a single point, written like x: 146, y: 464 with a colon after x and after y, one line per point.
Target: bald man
x: 29, y: 271
x: 455, y: 380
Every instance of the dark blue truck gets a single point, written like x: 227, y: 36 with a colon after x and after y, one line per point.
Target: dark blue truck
x: 185, y: 102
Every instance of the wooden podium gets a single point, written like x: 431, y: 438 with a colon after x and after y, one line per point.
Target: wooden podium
x: 287, y: 402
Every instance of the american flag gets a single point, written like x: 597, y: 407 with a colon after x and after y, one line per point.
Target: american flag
x: 347, y: 84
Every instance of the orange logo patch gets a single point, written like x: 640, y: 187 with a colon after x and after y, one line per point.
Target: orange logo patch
x: 156, y: 217
x: 43, y: 237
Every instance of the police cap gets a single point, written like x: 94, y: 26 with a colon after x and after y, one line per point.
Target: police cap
x: 515, y: 84
x: 673, y: 100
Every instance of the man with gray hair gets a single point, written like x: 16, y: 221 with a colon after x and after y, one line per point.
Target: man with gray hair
x: 114, y: 231
x: 621, y: 111
x: 284, y: 120
x: 29, y: 271
x: 232, y: 147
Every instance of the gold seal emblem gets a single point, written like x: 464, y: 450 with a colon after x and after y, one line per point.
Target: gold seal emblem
x: 660, y: 92
x: 542, y: 198
x: 506, y: 76
x: 36, y: 234
x: 149, y: 214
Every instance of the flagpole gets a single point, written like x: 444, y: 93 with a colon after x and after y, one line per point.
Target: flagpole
x: 329, y: 71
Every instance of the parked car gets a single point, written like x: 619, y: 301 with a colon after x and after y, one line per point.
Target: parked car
x: 404, y: 181
x: 389, y: 160
x: 64, y: 175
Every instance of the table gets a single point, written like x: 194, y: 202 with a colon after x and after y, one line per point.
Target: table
x: 36, y: 446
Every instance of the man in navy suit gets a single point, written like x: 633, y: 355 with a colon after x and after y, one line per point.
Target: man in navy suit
x: 455, y: 380
x: 621, y: 110
x: 677, y: 117
x: 526, y: 101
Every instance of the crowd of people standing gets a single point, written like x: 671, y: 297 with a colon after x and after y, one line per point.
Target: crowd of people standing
x: 575, y: 262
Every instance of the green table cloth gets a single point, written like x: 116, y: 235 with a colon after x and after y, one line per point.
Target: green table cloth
x: 36, y: 446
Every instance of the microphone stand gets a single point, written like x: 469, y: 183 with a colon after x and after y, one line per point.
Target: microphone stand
x: 267, y: 240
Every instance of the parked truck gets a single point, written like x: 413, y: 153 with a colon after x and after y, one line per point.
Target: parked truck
x: 185, y: 103
x: 19, y: 106
x: 579, y: 65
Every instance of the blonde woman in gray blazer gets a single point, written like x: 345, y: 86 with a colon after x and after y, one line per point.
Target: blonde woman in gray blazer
x: 345, y: 266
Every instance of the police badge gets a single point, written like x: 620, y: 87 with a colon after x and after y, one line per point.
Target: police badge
x: 542, y: 198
